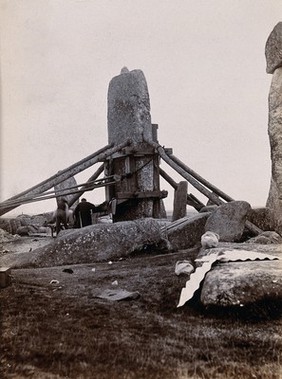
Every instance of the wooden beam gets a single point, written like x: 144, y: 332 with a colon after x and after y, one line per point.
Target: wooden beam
x: 191, y: 199
x: 253, y: 228
x: 61, y: 176
x: 88, y: 186
x: 213, y: 188
x: 185, y: 175
x: 64, y: 192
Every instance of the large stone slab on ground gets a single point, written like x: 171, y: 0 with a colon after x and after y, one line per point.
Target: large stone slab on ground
x: 100, y: 242
x: 228, y: 220
x: 186, y: 232
x: 12, y: 225
x: 244, y: 283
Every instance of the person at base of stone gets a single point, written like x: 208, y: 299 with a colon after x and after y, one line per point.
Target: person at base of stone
x: 83, y: 213
x: 61, y: 215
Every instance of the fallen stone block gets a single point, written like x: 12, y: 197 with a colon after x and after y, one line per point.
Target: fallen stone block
x: 186, y: 232
x: 266, y: 238
x: 22, y: 231
x: 7, y: 237
x: 243, y: 283
x: 206, y: 266
x: 228, y: 220
x: 118, y: 295
x: 93, y: 243
x: 10, y: 225
x: 262, y: 218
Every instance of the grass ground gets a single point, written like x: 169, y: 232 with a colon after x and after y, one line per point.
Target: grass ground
x: 63, y: 330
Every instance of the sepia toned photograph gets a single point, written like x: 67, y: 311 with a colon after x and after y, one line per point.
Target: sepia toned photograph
x: 141, y: 189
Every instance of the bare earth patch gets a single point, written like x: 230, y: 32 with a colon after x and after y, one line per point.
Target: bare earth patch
x: 53, y: 325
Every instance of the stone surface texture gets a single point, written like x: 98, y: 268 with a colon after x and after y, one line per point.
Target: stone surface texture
x: 228, y: 220
x: 10, y: 225
x: 64, y: 186
x: 186, y: 232
x: 273, y: 49
x: 7, y: 237
x: 129, y: 108
x: 262, y: 218
x: 34, y: 223
x: 129, y: 118
x: 243, y: 283
x: 94, y: 243
x: 266, y: 238
x: 274, y: 201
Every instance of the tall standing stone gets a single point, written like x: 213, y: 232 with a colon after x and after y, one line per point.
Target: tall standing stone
x: 273, y: 53
x: 129, y: 108
x: 137, y: 194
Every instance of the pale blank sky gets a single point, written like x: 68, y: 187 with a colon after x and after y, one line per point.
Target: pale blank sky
x: 205, y: 68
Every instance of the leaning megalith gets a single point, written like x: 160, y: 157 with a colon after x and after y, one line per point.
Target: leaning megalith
x: 65, y: 187
x: 136, y: 194
x: 273, y: 52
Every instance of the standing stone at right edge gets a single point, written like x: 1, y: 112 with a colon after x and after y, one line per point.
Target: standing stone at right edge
x: 273, y: 53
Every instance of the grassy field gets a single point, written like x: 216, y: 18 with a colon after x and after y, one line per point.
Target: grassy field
x: 64, y: 331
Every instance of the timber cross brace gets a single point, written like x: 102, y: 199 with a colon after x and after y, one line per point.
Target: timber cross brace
x: 130, y: 163
x: 123, y: 172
